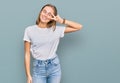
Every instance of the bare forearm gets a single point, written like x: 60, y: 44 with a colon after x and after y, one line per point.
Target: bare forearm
x: 69, y: 23
x: 27, y: 65
x: 73, y: 24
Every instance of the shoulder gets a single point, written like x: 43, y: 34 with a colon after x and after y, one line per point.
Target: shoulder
x: 60, y: 27
x: 60, y: 30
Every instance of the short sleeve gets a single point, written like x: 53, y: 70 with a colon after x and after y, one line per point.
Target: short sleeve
x: 26, y: 35
x: 60, y: 30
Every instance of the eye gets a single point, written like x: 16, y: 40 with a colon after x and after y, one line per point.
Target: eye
x: 44, y: 11
x: 49, y: 14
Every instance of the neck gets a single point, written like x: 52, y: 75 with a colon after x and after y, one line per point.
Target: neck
x: 42, y: 25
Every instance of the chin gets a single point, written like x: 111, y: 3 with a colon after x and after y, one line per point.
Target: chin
x: 45, y: 21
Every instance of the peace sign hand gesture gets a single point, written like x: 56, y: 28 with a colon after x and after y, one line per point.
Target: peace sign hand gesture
x: 57, y: 18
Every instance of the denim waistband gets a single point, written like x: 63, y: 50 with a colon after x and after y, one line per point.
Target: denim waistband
x: 45, y: 61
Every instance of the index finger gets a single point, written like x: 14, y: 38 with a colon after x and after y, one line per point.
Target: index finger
x: 52, y: 15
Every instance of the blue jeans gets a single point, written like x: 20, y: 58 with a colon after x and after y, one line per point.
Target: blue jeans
x: 46, y: 71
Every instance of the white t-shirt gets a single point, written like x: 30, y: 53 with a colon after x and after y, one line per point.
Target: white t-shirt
x: 44, y: 41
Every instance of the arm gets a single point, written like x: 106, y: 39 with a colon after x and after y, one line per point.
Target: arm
x: 27, y: 61
x: 70, y: 25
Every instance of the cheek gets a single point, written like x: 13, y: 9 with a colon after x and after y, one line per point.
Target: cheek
x: 47, y: 20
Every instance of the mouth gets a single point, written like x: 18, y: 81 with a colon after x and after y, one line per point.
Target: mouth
x: 45, y: 18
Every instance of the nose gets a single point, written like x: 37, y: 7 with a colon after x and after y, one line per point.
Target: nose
x: 45, y: 15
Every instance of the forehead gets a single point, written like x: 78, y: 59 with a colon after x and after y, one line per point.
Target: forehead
x: 48, y: 9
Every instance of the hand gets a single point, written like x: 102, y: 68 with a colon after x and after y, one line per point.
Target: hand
x: 29, y: 79
x: 57, y: 18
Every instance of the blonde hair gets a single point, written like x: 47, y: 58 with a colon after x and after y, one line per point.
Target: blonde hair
x: 52, y: 23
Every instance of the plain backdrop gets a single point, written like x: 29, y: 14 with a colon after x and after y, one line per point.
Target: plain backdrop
x: 91, y: 55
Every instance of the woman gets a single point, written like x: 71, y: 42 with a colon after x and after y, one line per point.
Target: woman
x: 41, y: 40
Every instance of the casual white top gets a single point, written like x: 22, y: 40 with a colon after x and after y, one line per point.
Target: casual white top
x: 44, y: 41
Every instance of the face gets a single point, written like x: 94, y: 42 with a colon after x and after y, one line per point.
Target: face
x: 46, y: 14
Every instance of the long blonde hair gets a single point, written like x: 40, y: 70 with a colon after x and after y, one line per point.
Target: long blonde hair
x: 52, y: 23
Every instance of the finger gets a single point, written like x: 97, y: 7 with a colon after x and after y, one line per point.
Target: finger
x: 54, y: 18
x: 53, y: 15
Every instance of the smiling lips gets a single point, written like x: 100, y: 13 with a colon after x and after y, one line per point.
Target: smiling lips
x: 45, y: 18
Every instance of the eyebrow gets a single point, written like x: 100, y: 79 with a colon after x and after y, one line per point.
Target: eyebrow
x: 45, y: 10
